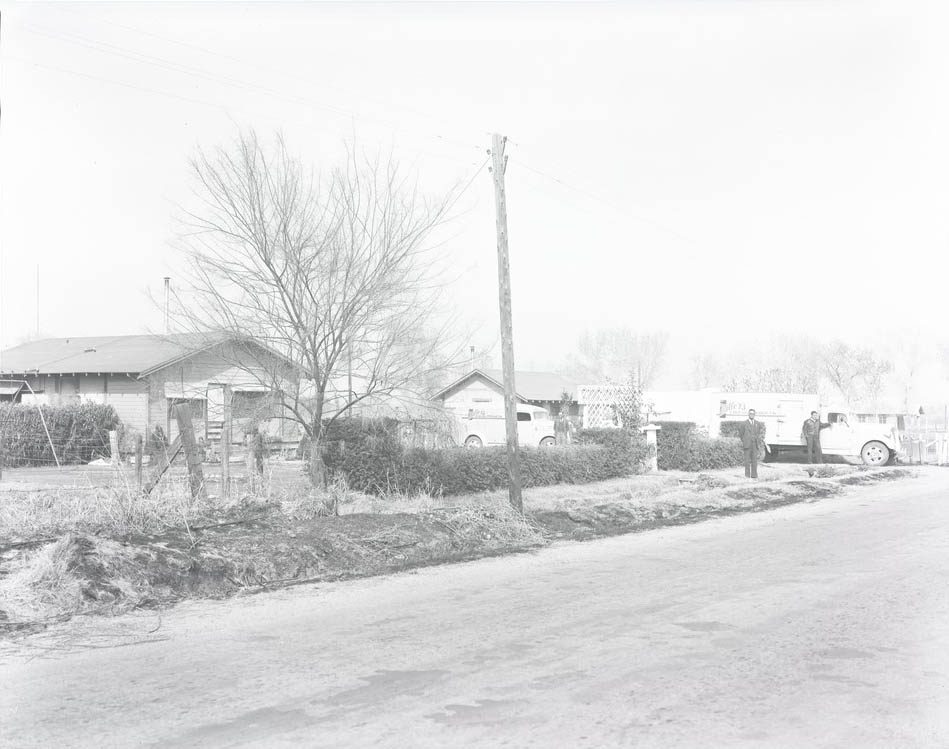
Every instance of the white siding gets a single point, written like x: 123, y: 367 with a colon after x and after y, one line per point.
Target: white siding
x: 120, y: 384
x: 132, y: 409
x: 92, y: 385
x: 477, y: 397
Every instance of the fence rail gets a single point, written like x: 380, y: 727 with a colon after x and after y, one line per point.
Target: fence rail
x: 922, y: 448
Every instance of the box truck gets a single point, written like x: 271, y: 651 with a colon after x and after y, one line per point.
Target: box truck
x: 784, y: 414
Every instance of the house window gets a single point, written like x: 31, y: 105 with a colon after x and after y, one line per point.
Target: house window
x: 863, y: 418
x: 198, y: 407
x: 884, y: 419
x: 255, y: 406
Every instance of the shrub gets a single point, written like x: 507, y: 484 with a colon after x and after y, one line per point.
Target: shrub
x: 80, y: 432
x: 366, y: 451
x: 680, y: 448
x: 724, y: 452
x: 674, y: 444
x: 613, y: 438
x: 730, y: 429
x: 377, y: 463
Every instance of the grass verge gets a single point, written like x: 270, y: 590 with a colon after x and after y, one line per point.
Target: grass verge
x: 101, y: 552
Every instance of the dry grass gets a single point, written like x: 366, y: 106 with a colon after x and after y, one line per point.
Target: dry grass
x: 75, y: 574
x: 26, y: 515
x: 645, y: 489
x: 500, y: 524
x: 32, y: 512
x: 29, y: 512
x: 42, y: 583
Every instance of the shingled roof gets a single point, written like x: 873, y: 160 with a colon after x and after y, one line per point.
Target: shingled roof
x: 133, y: 354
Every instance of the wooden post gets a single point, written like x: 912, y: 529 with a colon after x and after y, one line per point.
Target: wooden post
x: 251, y: 444
x: 226, y: 445
x: 138, y: 461
x: 114, y: 447
x: 507, y: 335
x: 190, y: 448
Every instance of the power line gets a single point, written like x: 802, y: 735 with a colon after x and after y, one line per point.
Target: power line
x: 192, y: 100
x: 267, y: 69
x: 582, y: 191
x: 470, y: 183
x: 112, y: 49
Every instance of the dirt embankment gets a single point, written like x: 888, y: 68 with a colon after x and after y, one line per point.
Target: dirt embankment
x: 52, y: 579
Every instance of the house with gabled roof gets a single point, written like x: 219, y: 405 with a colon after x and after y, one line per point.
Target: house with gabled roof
x: 481, y: 393
x: 144, y: 376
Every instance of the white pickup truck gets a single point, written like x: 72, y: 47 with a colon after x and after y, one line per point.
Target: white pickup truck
x: 535, y: 428
x: 784, y: 414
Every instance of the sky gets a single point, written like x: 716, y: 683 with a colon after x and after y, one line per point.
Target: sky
x: 722, y: 170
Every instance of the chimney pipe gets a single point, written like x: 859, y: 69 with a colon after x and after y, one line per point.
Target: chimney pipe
x: 167, y: 293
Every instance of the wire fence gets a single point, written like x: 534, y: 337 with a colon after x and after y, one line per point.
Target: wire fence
x: 18, y: 452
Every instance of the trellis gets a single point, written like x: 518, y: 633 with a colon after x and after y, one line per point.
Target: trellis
x: 604, y: 405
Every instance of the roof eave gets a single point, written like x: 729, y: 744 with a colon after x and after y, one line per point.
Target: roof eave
x: 472, y: 373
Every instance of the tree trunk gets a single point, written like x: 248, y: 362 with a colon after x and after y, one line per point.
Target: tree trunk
x: 317, y: 468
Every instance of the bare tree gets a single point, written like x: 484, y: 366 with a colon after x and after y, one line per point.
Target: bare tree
x: 331, y: 273
x: 856, y: 373
x: 783, y: 364
x: 705, y: 370
x: 618, y: 355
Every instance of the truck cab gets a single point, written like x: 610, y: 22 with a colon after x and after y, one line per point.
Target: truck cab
x: 873, y: 444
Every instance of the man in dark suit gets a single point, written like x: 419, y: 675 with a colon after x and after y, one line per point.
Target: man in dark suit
x: 752, y: 438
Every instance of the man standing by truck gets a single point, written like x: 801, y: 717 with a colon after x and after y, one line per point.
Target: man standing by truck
x: 752, y: 436
x: 811, y: 434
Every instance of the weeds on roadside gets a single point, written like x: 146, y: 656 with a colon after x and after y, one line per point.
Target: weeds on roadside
x: 116, y: 509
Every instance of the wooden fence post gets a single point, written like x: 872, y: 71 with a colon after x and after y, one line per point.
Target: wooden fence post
x: 114, y: 447
x: 190, y: 448
x: 226, y: 445
x: 138, y: 461
x: 251, y: 463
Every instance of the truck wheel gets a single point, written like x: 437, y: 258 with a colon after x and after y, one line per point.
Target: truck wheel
x: 474, y: 441
x: 875, y: 454
x: 548, y: 442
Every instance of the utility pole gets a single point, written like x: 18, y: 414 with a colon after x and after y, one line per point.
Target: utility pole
x: 167, y: 295
x: 499, y: 166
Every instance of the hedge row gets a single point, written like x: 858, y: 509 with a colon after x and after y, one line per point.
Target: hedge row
x: 373, y: 460
x: 79, y: 431
x: 730, y: 429
x: 680, y: 448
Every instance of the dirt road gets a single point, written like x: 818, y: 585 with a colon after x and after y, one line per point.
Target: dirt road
x: 822, y: 624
